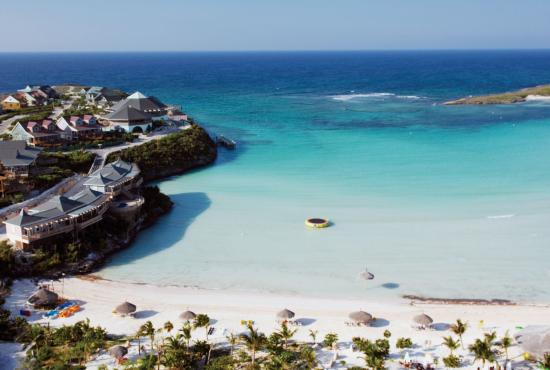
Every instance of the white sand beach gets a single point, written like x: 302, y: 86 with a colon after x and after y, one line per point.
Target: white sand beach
x: 160, y: 304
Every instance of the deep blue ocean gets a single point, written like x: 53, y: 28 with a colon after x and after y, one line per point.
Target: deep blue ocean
x: 450, y: 201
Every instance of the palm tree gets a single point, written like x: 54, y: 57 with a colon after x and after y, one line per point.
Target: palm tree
x: 450, y: 343
x: 545, y: 362
x: 505, y: 343
x: 187, y: 331
x: 459, y: 328
x: 374, y: 362
x: 168, y: 326
x: 253, y: 340
x: 149, y: 330
x: 286, y: 333
x: 330, y: 340
x: 175, y: 352
x: 140, y: 333
x: 202, y: 321
x: 232, y: 340
x: 38, y: 337
x: 309, y: 357
x: 490, y: 337
x: 482, y: 350
x: 313, y: 335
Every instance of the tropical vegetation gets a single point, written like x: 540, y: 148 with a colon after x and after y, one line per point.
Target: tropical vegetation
x: 173, y: 347
x: 171, y: 154
x: 403, y: 343
x: 67, y: 254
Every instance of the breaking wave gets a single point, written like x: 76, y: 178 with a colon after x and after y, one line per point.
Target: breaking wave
x: 351, y: 96
x: 501, y: 216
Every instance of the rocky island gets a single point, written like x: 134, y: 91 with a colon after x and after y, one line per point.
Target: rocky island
x: 512, y: 97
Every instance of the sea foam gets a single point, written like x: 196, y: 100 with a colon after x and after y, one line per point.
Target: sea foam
x: 351, y: 96
x: 541, y: 98
x: 501, y: 216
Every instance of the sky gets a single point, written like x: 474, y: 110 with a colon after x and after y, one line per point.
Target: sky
x: 249, y: 25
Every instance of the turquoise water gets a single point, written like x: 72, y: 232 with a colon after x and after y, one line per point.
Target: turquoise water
x: 436, y: 200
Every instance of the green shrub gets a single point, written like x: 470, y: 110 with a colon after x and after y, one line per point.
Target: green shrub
x: 403, y: 343
x: 330, y: 340
x: 221, y: 363
x: 375, y: 352
x: 7, y: 259
x: 76, y: 161
x: 451, y: 361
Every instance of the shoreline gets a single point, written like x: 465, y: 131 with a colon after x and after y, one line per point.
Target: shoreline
x: 404, y: 298
x: 539, y: 92
x: 227, y: 310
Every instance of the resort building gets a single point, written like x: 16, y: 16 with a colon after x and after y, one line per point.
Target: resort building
x: 11, y: 104
x: 114, y: 178
x: 137, y: 100
x: 30, y: 96
x: 113, y: 185
x: 16, y: 157
x: 103, y: 96
x: 76, y: 127
x: 45, y: 91
x: 47, y: 132
x: 41, y: 133
x: 136, y: 113
x: 59, y: 215
x: 129, y: 119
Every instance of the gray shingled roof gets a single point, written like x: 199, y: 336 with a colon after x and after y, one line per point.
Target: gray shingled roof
x: 128, y: 113
x: 17, y: 153
x: 59, y: 203
x: 140, y: 102
x: 57, y: 206
x: 111, y: 173
x: 23, y: 218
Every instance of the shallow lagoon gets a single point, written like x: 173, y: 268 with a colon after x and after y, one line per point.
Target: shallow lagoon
x: 435, y: 200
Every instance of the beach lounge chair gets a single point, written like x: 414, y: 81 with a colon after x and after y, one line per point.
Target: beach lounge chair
x: 51, y: 314
x: 74, y: 309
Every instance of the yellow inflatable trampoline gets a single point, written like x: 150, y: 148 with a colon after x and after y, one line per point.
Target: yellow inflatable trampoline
x: 317, y: 223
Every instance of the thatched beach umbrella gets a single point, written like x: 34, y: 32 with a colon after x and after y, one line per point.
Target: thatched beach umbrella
x: 118, y: 351
x: 285, y: 314
x: 125, y: 308
x: 43, y: 297
x: 361, y: 317
x: 187, y: 315
x: 423, y: 320
x: 535, y: 340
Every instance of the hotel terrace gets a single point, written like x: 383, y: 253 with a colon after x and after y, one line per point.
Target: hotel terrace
x: 70, y: 215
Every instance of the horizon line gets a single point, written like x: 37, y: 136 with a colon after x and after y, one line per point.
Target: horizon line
x: 264, y: 50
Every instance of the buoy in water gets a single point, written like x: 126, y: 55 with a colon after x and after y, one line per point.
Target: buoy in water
x: 317, y: 223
